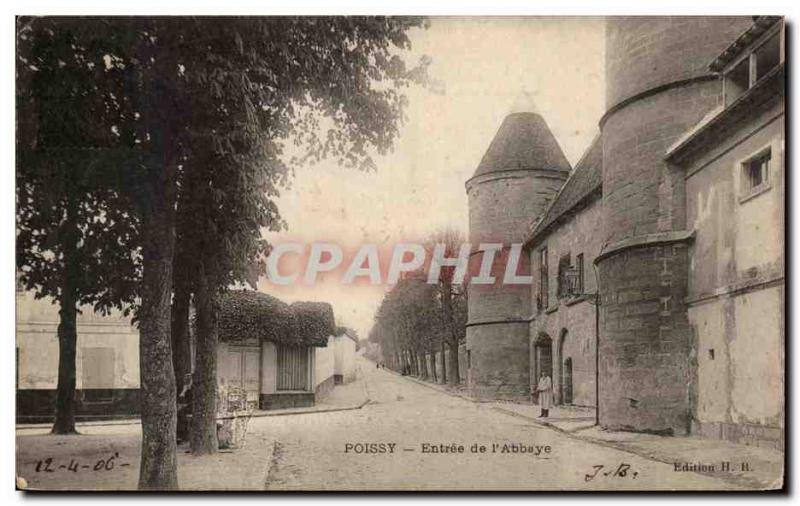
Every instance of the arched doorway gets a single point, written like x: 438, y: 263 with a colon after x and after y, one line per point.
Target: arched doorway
x: 544, y: 356
x: 564, y: 371
x: 566, y: 381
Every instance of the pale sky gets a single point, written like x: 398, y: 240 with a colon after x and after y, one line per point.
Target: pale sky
x: 488, y: 67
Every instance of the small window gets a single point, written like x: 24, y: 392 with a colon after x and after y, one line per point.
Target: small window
x: 579, y: 267
x: 755, y: 172
x: 564, y: 267
x: 544, y: 288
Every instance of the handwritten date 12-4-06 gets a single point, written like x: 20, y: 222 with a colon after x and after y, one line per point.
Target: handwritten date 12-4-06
x: 49, y: 466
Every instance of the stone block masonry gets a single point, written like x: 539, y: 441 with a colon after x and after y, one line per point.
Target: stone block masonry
x: 658, y: 87
x: 516, y: 180
x: 644, y: 347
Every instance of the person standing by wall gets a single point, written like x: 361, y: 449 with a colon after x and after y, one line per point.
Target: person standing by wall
x: 545, y: 390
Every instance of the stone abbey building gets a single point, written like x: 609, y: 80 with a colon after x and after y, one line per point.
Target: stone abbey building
x: 658, y: 260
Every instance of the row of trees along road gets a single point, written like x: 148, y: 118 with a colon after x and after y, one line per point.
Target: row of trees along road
x: 149, y: 154
x: 422, y: 316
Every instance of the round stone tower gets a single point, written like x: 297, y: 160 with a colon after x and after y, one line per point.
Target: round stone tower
x: 657, y: 87
x: 518, y: 176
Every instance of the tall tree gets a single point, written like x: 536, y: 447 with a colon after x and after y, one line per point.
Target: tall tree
x: 247, y: 95
x: 66, y: 211
x: 408, y: 322
x: 451, y: 294
x: 332, y: 85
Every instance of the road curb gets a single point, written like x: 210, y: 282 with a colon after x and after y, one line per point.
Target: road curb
x: 308, y: 412
x: 436, y: 386
x: 736, y: 480
x: 138, y: 421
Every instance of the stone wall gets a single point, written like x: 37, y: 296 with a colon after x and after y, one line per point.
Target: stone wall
x: 736, y: 293
x: 344, y: 359
x: 502, y: 205
x: 324, y: 367
x: 569, y: 323
x: 645, y: 53
x: 644, y: 340
x: 106, y: 365
x: 37, y: 347
x: 657, y: 89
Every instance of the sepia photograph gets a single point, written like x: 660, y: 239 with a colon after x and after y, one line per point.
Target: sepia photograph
x: 361, y: 253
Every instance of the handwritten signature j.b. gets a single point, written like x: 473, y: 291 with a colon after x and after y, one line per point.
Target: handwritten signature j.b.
x: 622, y: 471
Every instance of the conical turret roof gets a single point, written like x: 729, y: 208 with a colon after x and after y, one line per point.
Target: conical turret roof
x: 524, y: 141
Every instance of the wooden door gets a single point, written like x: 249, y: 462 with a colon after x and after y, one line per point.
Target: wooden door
x: 566, y: 382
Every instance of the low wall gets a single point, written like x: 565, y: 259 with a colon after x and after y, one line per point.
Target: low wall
x: 285, y: 400
x: 38, y: 405
x: 324, y: 368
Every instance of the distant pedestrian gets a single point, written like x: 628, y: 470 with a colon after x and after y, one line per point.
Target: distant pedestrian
x: 545, y: 390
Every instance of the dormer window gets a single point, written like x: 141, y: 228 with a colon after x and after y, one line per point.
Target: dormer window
x: 737, y: 81
x: 767, y: 56
x: 752, y: 65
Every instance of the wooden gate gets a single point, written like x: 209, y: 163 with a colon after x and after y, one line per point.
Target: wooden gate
x: 293, y: 368
x: 242, y: 369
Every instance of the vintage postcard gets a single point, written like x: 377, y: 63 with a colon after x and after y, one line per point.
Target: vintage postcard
x: 364, y: 253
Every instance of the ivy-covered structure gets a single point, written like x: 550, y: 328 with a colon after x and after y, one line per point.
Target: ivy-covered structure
x: 277, y: 352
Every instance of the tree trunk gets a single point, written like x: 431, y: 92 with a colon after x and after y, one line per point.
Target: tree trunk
x: 67, y: 327
x: 181, y: 347
x: 454, y: 378
x: 204, y: 390
x: 444, y: 365
x: 158, y: 468
x: 452, y: 340
x: 67, y: 344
